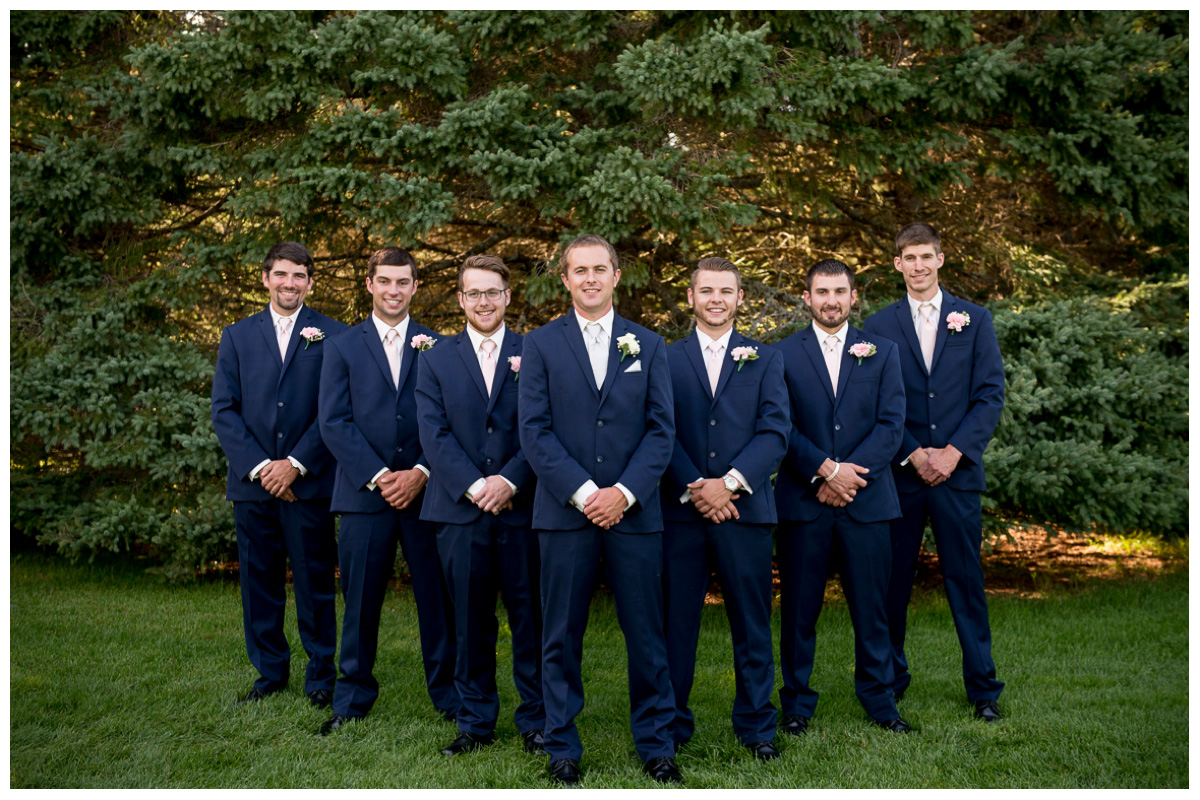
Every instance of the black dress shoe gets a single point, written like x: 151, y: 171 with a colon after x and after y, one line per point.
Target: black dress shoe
x: 763, y: 751
x: 465, y: 743
x: 535, y: 741
x: 565, y: 771
x: 794, y: 725
x: 896, y: 725
x: 663, y: 770
x: 987, y: 710
x: 335, y: 723
x: 321, y: 698
x: 256, y: 694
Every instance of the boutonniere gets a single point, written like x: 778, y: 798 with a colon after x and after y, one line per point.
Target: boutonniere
x: 862, y: 350
x: 956, y: 321
x: 628, y: 345
x: 514, y: 363
x: 422, y: 342
x: 741, y: 355
x: 310, y: 335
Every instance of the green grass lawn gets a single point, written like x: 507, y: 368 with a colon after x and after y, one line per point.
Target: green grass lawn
x: 118, y: 680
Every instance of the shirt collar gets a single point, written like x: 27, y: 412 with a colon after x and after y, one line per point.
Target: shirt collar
x: 840, y: 333
x: 914, y: 305
x: 276, y: 316
x: 606, y: 322
x: 382, y: 328
x: 478, y: 338
x: 705, y: 340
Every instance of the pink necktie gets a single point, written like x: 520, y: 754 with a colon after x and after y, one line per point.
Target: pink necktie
x: 285, y: 327
x: 487, y: 363
x: 714, y: 366
x: 391, y: 346
x: 927, y: 333
x: 833, y: 361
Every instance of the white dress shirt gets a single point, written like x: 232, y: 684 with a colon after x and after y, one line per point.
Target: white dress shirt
x: 722, y: 344
x: 833, y: 364
x: 914, y: 305
x: 275, y: 317
x: 401, y: 329
x: 477, y: 340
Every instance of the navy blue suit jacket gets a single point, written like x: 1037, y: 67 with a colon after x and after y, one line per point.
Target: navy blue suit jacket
x: 571, y: 432
x: 863, y: 424
x: 367, y: 423
x: 959, y: 401
x: 468, y: 434
x: 744, y: 426
x: 265, y: 407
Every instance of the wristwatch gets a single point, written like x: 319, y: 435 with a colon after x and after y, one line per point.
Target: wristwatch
x: 731, y: 483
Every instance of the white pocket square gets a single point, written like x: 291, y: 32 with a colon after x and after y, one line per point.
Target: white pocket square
x: 634, y: 367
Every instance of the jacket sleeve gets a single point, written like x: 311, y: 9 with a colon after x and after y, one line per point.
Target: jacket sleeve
x: 342, y: 436
x: 438, y: 443
x: 556, y: 470
x: 987, y: 393
x: 763, y: 453
x: 240, y: 446
x: 876, y: 450
x: 653, y: 453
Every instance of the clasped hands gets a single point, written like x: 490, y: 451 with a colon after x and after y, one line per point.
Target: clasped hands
x: 495, y: 496
x: 713, y: 500
x: 935, y: 464
x: 839, y: 490
x: 277, y: 478
x: 400, y: 487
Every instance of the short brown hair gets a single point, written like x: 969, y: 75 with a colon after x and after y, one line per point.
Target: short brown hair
x: 717, y: 264
x: 289, y: 251
x: 917, y: 233
x: 490, y: 263
x: 829, y: 266
x: 584, y: 241
x: 391, y: 257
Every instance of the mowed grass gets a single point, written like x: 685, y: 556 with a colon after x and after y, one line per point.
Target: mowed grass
x: 118, y: 680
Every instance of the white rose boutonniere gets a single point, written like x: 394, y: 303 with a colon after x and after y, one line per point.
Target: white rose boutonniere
x: 628, y: 345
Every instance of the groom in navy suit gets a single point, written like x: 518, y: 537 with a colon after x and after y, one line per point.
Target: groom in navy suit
x: 954, y: 381
x: 264, y: 411
x: 731, y: 431
x: 480, y: 496
x: 597, y: 428
x: 368, y: 415
x: 835, y: 493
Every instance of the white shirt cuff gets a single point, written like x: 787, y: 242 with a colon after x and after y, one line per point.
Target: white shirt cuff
x: 742, y: 480
x: 378, y: 475
x: 423, y: 468
x: 474, y: 488
x: 686, y: 497
x: 254, y: 472
x: 299, y: 466
x: 629, y: 498
x: 511, y: 485
x: 583, y: 493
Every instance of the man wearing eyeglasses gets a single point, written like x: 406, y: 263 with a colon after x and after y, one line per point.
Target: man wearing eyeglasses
x: 480, y: 496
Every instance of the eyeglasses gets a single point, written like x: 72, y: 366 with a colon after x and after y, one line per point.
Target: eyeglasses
x: 491, y: 294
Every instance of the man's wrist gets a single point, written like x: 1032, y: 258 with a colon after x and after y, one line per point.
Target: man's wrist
x: 254, y: 472
x: 296, y: 463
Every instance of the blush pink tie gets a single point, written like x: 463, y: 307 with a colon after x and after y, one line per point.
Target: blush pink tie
x: 285, y: 328
x: 487, y: 363
x: 714, y: 366
x: 927, y: 334
x: 391, y: 346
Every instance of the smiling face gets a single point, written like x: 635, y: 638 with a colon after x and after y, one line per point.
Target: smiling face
x: 392, y: 291
x: 591, y: 278
x: 714, y: 298
x: 919, y: 264
x: 288, y: 283
x: 484, y: 315
x: 830, y: 300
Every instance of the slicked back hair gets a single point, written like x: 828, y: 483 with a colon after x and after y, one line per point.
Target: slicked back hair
x: 917, y: 233
x: 830, y: 266
x: 289, y: 251
x: 716, y: 264
x: 391, y: 257
x: 584, y: 241
x: 490, y: 263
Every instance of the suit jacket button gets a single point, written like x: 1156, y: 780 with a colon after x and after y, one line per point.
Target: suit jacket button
x: 712, y: 422
x: 280, y: 404
x: 712, y: 454
x: 933, y: 427
x: 399, y: 417
x: 599, y: 459
x: 837, y: 427
x: 489, y: 430
x: 279, y: 436
x: 488, y: 462
x: 931, y: 394
x: 399, y: 449
x: 599, y: 423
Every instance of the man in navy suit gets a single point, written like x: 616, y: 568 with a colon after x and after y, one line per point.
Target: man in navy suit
x: 597, y: 428
x: 480, y: 496
x: 835, y: 493
x: 731, y: 431
x: 264, y: 411
x: 954, y: 381
x: 368, y: 414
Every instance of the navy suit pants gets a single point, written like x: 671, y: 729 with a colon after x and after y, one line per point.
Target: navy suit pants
x: 741, y: 554
x: 805, y: 550
x: 480, y: 559
x: 367, y: 557
x: 269, y: 534
x: 570, y: 565
x: 958, y: 531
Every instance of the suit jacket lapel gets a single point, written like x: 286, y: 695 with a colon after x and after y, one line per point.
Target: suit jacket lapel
x: 949, y: 303
x: 848, y: 362
x: 614, y: 357
x: 471, y: 361
x: 512, y: 347
x: 691, y: 346
x: 905, y: 322
x: 808, y: 341
x: 575, y: 340
x: 375, y: 347
x: 266, y: 323
x: 727, y: 365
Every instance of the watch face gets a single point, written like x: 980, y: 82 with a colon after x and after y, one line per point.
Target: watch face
x: 730, y: 482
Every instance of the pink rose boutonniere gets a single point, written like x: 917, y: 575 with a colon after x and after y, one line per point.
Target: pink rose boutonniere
x: 741, y: 355
x: 310, y: 335
x: 862, y: 350
x: 956, y: 321
x: 514, y: 363
x: 422, y: 342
